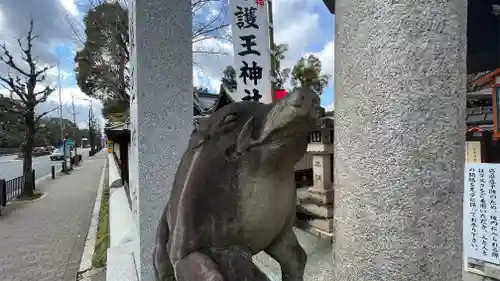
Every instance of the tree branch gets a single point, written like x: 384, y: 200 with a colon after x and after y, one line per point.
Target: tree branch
x: 39, y: 72
x: 41, y: 115
x: 15, y: 86
x: 43, y: 95
x: 10, y: 61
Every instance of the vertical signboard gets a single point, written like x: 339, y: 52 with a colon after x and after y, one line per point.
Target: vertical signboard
x: 481, y: 200
x: 252, y: 58
x: 110, y: 146
x: 473, y: 152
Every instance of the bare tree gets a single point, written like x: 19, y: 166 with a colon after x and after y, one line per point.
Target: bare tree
x: 101, y: 62
x: 22, y: 82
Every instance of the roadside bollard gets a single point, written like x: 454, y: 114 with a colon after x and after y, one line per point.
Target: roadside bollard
x: 53, y: 171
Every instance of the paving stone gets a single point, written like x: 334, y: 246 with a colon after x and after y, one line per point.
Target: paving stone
x: 43, y: 240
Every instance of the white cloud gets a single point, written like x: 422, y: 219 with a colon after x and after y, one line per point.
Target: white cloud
x: 329, y: 107
x: 326, y: 56
x: 70, y: 6
x: 68, y: 94
x: 51, y: 26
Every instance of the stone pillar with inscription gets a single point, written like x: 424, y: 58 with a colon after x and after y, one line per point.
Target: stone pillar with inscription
x: 400, y: 80
x: 161, y: 112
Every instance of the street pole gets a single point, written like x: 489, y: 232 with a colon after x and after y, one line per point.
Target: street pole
x: 60, y: 103
x: 63, y: 142
x: 91, y: 135
x: 76, y: 129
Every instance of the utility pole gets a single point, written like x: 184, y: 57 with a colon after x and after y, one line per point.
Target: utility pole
x: 91, y: 134
x: 76, y: 128
x: 63, y: 142
x: 61, y: 126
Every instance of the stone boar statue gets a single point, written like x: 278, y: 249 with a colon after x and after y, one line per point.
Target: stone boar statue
x: 234, y: 193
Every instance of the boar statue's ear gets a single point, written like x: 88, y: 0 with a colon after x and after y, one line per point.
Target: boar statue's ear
x: 244, y: 140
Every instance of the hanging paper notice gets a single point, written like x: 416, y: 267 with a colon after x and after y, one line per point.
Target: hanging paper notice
x: 481, y: 200
x: 250, y: 27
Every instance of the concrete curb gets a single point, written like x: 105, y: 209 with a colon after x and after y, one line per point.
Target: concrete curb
x: 28, y: 201
x: 88, y: 251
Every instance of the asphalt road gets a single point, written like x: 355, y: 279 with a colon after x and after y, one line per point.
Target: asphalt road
x: 12, y: 167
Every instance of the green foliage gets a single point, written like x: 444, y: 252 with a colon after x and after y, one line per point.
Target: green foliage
x: 116, y: 111
x: 281, y: 75
x: 13, y: 129
x: 307, y: 73
x: 229, y: 77
x: 100, y: 64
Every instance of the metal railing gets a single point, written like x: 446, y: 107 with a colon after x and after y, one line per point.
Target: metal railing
x: 12, y: 189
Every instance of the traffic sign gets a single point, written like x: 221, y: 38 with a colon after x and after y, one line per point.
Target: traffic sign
x: 69, y: 142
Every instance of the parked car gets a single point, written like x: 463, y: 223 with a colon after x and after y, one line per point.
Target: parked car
x: 57, y: 154
x: 39, y: 149
x: 50, y: 148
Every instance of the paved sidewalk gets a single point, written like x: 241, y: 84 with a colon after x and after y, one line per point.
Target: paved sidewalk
x: 44, y: 240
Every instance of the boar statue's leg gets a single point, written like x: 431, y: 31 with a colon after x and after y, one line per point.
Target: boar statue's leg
x: 292, y: 258
x: 163, y: 268
x: 235, y: 262
x: 197, y: 266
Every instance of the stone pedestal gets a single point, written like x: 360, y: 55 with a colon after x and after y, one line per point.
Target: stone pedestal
x: 161, y: 112
x: 400, y: 80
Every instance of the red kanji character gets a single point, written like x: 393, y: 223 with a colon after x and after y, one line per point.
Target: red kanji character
x: 260, y: 2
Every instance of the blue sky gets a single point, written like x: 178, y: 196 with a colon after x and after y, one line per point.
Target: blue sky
x: 327, y: 23
x: 66, y: 55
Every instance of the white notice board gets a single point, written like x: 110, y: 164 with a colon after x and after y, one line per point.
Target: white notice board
x: 481, y: 213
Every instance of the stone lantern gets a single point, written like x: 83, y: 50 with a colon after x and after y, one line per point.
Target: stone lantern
x: 317, y: 200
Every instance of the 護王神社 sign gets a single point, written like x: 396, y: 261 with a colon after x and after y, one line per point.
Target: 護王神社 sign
x: 250, y: 32
x: 481, y: 213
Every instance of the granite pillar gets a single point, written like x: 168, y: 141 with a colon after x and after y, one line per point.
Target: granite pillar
x: 400, y: 80
x: 161, y: 111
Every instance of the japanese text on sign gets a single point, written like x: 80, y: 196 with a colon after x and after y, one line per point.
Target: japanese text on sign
x: 250, y: 30
x: 473, y: 152
x: 481, y: 234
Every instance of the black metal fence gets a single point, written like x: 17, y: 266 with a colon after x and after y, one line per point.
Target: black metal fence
x: 12, y: 189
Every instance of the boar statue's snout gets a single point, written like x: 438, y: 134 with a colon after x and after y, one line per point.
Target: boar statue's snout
x: 306, y: 101
x: 304, y: 98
